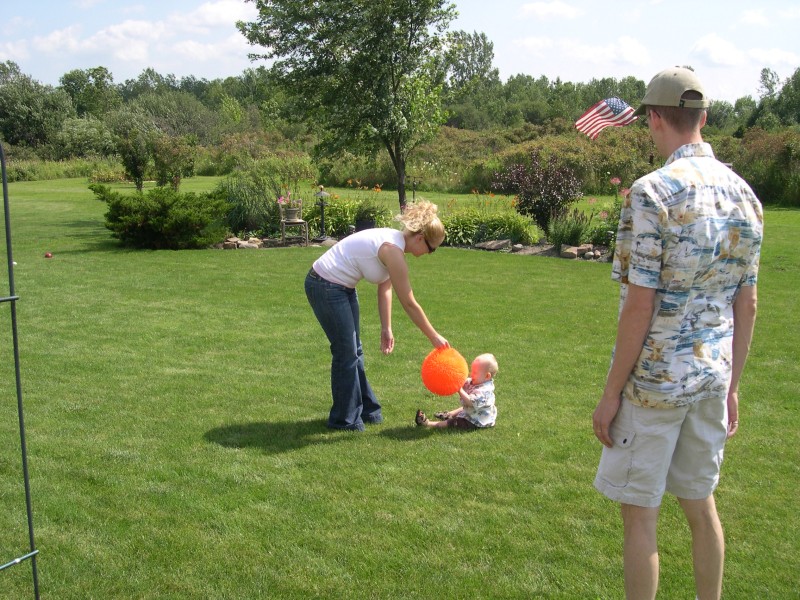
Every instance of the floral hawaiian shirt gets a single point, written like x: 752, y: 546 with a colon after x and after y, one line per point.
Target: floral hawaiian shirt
x: 483, y: 412
x: 692, y: 230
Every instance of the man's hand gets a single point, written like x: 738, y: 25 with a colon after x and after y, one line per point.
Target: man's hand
x: 603, y: 415
x: 733, y: 413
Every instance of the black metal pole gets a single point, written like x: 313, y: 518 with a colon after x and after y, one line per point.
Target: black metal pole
x: 23, y: 445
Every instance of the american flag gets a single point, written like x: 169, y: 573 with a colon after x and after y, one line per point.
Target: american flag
x: 606, y: 113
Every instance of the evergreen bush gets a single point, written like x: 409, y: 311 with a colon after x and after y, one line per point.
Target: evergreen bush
x: 163, y: 218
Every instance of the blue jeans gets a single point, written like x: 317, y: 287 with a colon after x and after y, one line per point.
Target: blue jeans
x: 336, y: 309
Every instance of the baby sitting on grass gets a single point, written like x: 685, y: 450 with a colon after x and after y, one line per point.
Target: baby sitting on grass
x: 477, y: 410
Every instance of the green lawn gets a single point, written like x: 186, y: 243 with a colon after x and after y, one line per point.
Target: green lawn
x: 175, y: 404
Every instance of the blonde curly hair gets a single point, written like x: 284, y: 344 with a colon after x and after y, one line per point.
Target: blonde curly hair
x: 422, y: 217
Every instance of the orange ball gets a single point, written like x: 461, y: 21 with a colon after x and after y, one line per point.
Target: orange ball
x: 444, y: 371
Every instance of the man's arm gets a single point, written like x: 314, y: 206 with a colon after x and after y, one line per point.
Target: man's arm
x: 634, y: 323
x: 745, y: 308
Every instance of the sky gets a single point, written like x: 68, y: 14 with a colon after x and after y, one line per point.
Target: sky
x: 727, y: 44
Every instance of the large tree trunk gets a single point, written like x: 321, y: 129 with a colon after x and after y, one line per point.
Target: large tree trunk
x: 401, y: 186
x: 399, y: 162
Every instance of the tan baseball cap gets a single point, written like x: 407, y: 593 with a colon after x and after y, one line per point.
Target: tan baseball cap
x: 666, y: 89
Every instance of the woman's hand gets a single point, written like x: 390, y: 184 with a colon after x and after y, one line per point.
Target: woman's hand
x: 387, y: 341
x: 439, y: 342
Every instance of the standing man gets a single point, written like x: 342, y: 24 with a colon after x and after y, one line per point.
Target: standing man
x: 687, y: 257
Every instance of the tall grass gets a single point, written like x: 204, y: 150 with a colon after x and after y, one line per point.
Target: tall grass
x: 176, y: 402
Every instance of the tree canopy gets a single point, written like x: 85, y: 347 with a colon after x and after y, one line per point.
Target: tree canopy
x: 363, y: 71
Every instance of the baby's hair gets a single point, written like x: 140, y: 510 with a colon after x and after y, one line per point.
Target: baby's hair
x: 491, y: 363
x: 422, y: 217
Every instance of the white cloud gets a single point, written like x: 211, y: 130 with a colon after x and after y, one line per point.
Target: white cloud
x: 14, y: 51
x: 791, y: 13
x: 130, y: 41
x: 59, y: 41
x: 774, y: 57
x: 754, y: 17
x: 715, y: 50
x: 625, y: 50
x: 543, y: 10
x: 234, y: 47
x: 127, y: 41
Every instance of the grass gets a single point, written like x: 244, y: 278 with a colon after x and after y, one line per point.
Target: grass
x: 175, y: 404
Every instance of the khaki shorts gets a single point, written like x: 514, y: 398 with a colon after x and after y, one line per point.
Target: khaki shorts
x: 678, y: 450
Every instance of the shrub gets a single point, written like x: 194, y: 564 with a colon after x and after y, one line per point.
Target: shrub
x: 571, y: 228
x: 604, y: 231
x: 237, y: 150
x: 542, y: 186
x: 163, y: 218
x: 84, y: 137
x: 340, y: 214
x: 134, y: 150
x: 461, y: 227
x: 469, y: 227
x: 34, y: 169
x: 770, y: 162
x: 252, y: 192
x: 252, y: 206
x: 173, y: 159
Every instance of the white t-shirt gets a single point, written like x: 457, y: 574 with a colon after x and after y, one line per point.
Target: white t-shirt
x: 356, y: 257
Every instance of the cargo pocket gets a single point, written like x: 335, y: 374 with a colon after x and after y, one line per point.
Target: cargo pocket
x: 616, y: 462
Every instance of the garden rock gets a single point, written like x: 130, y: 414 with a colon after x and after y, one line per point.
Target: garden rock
x: 494, y: 245
x: 568, y: 251
x: 584, y: 248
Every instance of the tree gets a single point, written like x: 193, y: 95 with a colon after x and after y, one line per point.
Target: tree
x: 149, y: 80
x: 9, y: 71
x: 31, y: 113
x: 529, y: 96
x: 92, y: 91
x: 743, y: 108
x: 133, y: 130
x: 363, y: 70
x: 468, y: 59
x: 787, y: 104
x: 720, y: 114
x: 85, y: 136
x: 173, y: 159
x: 179, y: 114
x: 473, y: 93
x: 769, y: 83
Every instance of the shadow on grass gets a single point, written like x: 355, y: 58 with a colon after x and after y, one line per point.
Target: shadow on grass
x: 413, y: 434
x: 277, y: 437
x: 86, y: 232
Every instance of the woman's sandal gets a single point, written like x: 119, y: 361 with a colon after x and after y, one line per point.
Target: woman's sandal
x: 442, y: 415
x: 420, y: 419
